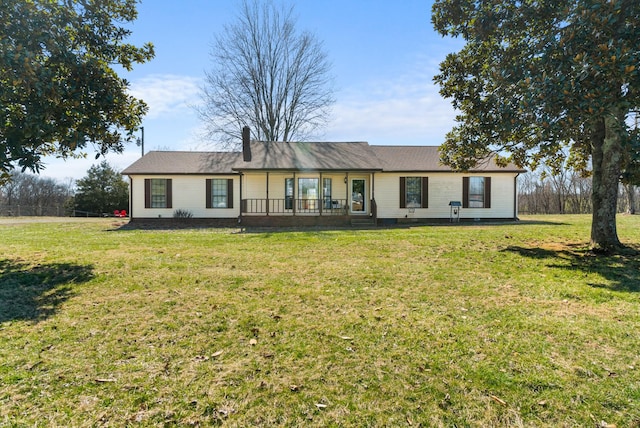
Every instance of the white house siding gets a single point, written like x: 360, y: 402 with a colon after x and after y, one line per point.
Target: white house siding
x: 443, y: 188
x: 254, y: 186
x: 188, y: 193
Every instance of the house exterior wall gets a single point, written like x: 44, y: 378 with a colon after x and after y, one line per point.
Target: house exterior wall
x: 443, y: 188
x: 188, y: 193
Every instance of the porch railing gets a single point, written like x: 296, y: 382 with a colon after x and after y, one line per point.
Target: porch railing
x: 290, y: 206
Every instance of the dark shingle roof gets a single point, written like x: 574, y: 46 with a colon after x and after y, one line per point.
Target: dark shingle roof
x: 311, y: 156
x: 321, y: 156
x: 185, y: 163
x: 425, y: 159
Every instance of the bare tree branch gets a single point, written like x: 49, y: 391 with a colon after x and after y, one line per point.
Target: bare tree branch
x: 267, y: 76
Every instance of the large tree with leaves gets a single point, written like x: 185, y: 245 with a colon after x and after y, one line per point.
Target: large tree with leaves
x: 268, y: 76
x: 102, y: 190
x: 59, y: 91
x: 550, y: 81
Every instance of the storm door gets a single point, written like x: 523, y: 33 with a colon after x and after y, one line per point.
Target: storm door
x: 358, y: 196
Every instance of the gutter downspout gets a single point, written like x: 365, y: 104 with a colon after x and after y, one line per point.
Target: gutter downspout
x: 374, y: 204
x: 130, y: 197
x: 241, y: 200
x: 515, y: 197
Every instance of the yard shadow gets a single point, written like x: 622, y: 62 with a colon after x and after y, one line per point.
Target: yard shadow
x: 622, y: 271
x: 34, y: 292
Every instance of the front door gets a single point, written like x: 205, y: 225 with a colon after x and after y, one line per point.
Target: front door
x: 358, y: 196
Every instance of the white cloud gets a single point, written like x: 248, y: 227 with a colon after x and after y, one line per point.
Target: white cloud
x: 406, y: 110
x: 167, y: 94
x: 62, y: 170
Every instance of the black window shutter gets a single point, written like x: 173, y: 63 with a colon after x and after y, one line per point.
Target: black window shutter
x: 147, y: 193
x: 465, y: 192
x: 487, y: 192
x: 403, y: 192
x: 208, y: 193
x: 230, y: 193
x: 425, y: 192
x: 169, y: 194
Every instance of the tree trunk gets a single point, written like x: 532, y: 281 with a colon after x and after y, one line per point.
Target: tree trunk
x: 607, y: 158
x: 631, y: 198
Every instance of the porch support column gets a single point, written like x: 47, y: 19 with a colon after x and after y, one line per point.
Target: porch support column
x: 348, y: 201
x: 320, y: 194
x: 267, y: 207
x: 295, y: 193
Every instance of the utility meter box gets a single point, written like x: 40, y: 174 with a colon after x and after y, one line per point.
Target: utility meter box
x: 454, y: 211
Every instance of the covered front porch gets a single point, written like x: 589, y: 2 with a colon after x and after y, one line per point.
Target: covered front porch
x: 307, y: 194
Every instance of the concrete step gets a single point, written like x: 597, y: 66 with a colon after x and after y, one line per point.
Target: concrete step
x: 363, y: 222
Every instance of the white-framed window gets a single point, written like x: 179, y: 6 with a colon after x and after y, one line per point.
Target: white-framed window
x: 157, y: 193
x: 219, y: 193
x: 476, y: 192
x: 414, y: 192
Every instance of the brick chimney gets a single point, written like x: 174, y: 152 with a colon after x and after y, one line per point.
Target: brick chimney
x: 246, y: 144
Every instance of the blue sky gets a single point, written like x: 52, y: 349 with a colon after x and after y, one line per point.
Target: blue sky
x: 384, y: 55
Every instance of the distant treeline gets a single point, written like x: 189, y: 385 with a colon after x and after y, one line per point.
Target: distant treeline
x: 541, y: 192
x: 32, y: 195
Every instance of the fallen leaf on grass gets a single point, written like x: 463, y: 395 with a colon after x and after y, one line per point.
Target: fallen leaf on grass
x: 346, y: 338
x: 253, y: 342
x: 498, y: 400
x: 321, y: 406
x: 105, y: 380
x: 216, y: 354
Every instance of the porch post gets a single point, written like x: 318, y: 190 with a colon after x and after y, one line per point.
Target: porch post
x: 267, y: 207
x: 295, y: 193
x: 348, y: 201
x: 320, y: 194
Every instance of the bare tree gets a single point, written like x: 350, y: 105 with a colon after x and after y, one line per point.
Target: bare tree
x: 544, y: 191
x: 32, y: 195
x: 627, y: 198
x: 267, y: 76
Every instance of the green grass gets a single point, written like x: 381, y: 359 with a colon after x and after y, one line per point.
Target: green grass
x: 466, y: 325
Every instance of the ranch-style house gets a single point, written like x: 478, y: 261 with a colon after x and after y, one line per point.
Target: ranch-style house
x: 317, y: 183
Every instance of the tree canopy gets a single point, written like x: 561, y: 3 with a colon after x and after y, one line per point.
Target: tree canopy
x: 268, y: 76
x: 546, y: 81
x: 102, y: 190
x: 58, y: 90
